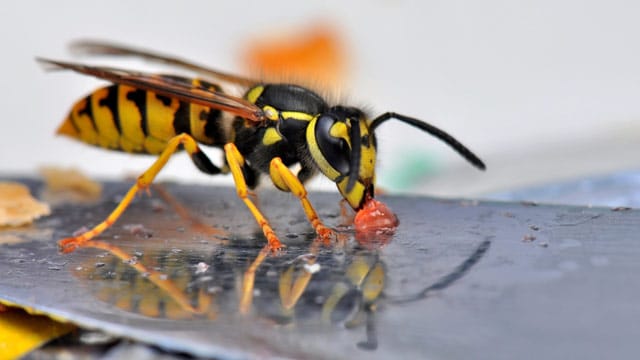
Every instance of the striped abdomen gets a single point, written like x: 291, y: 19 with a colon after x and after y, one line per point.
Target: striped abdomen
x: 124, y: 118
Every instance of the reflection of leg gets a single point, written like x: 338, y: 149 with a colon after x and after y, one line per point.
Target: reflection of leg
x: 185, y: 215
x: 248, y: 280
x: 372, y: 336
x: 285, y: 180
x: 157, y: 278
x: 292, y: 288
x: 294, y: 281
x: 236, y: 161
x: 142, y: 183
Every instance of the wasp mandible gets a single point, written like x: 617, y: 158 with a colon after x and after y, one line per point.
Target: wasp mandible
x: 268, y: 130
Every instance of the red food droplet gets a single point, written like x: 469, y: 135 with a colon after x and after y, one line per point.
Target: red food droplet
x: 375, y: 223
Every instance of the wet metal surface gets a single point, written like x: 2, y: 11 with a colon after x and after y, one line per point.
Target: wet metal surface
x: 459, y: 279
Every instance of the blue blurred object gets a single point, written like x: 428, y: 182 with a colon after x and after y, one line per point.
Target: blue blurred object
x: 615, y: 190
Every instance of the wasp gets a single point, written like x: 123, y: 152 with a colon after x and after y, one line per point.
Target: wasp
x: 265, y: 132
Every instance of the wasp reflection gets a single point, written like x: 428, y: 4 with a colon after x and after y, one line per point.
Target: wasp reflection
x: 339, y: 284
x: 313, y: 282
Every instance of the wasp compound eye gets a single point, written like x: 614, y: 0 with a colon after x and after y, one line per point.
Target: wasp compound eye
x: 331, y: 136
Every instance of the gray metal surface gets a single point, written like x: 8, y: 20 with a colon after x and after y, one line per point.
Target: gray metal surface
x: 460, y: 279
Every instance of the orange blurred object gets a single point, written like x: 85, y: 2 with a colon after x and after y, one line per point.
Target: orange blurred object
x: 314, y: 58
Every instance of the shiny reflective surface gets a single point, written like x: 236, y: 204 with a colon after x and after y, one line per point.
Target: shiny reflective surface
x: 458, y: 279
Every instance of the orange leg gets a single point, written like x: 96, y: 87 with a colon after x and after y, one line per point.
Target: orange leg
x: 235, y: 160
x: 142, y: 183
x: 346, y: 213
x: 286, y: 180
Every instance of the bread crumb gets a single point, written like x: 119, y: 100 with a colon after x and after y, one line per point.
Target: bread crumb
x: 69, y: 186
x: 18, y: 207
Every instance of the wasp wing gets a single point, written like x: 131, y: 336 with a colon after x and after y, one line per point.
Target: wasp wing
x: 176, y: 87
x: 95, y: 47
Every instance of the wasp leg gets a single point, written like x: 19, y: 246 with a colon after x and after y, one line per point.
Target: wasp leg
x: 142, y: 183
x: 236, y: 162
x: 285, y: 180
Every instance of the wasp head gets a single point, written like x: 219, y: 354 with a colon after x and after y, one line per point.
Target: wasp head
x: 342, y: 144
x: 344, y: 148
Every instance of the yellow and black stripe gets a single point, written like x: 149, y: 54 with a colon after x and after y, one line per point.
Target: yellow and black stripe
x: 120, y: 117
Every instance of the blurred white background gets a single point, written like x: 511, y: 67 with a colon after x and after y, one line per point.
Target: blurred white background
x: 541, y: 90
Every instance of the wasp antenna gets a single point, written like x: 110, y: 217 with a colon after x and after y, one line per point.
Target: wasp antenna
x: 354, y: 161
x: 440, y: 134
